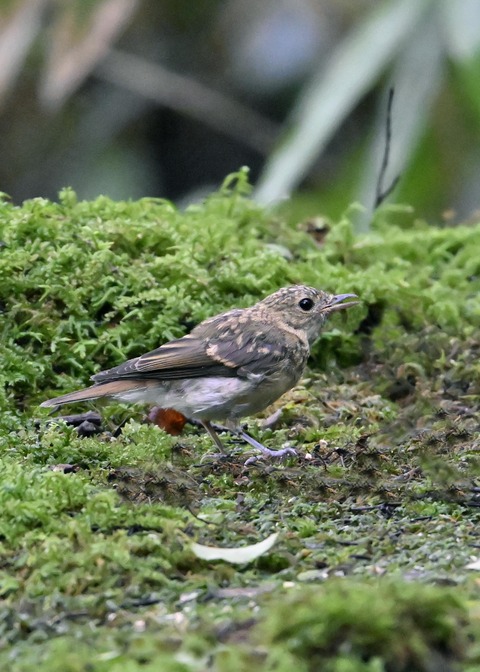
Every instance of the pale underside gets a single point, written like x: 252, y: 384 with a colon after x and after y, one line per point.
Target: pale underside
x: 212, y: 398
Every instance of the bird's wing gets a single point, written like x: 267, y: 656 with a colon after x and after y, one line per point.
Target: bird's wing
x: 251, y: 352
x: 182, y: 358
x: 229, y: 349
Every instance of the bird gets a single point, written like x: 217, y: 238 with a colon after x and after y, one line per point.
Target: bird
x: 228, y: 367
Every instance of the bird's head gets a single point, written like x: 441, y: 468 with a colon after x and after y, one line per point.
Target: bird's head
x: 305, y: 308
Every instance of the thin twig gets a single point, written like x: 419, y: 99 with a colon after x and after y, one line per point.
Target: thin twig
x: 380, y: 193
x: 74, y: 419
x: 205, y: 522
x: 373, y: 507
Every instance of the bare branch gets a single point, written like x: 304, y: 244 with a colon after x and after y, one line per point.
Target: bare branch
x: 380, y: 193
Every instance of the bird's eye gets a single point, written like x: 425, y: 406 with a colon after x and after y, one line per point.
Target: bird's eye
x: 306, y: 304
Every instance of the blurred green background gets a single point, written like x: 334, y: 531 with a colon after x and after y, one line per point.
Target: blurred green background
x: 131, y: 98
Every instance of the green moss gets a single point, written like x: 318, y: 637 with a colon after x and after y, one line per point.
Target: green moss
x: 344, y: 626
x: 61, y: 535
x: 96, y: 570
x: 85, y: 284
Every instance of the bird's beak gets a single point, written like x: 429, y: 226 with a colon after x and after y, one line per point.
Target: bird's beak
x: 336, y: 302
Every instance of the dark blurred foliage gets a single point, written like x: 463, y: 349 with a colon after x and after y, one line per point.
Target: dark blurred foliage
x: 164, y: 98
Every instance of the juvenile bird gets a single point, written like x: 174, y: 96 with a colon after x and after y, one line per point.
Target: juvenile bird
x: 229, y: 366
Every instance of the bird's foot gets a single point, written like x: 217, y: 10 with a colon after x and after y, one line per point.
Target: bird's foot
x: 266, y: 453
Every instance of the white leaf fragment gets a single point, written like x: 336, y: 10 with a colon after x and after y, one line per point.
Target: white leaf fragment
x: 235, y: 555
x: 473, y: 565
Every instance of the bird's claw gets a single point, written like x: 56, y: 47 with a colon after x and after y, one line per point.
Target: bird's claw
x: 266, y: 453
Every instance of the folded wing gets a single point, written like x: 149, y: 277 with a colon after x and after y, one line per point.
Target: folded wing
x: 230, y: 352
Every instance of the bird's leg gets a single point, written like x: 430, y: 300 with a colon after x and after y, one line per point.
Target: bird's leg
x: 266, y: 452
x: 214, y: 436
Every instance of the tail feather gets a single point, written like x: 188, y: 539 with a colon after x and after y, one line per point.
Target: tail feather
x: 95, y: 392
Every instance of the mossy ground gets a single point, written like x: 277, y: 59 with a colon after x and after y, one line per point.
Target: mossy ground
x: 378, y: 516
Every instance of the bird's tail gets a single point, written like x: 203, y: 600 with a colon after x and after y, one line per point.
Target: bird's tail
x: 109, y: 389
